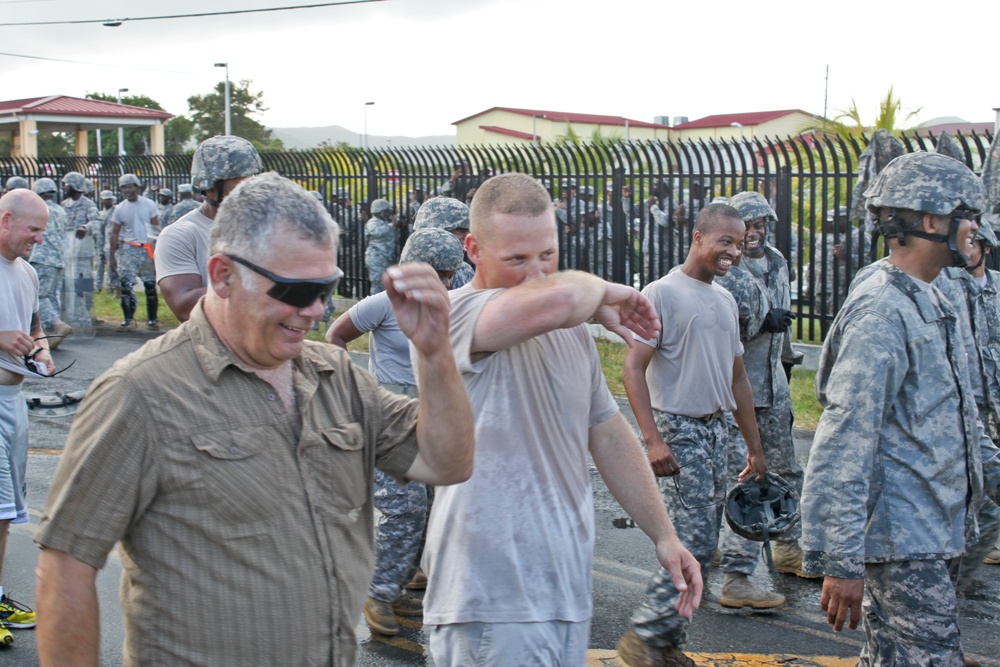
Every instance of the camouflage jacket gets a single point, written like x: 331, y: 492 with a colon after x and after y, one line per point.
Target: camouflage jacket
x: 463, y: 276
x: 899, y: 456
x: 979, y: 325
x: 83, y: 213
x: 751, y: 300
x: 380, y: 239
x: 50, y: 251
x: 762, y: 353
x: 181, y: 208
x: 818, y: 276
x: 166, y: 214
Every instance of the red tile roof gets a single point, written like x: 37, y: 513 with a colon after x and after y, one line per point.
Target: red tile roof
x: 746, y: 119
x: 509, y: 133
x: 63, y: 105
x: 566, y: 117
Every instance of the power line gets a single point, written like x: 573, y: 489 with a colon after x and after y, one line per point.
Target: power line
x: 84, y: 62
x: 118, y: 22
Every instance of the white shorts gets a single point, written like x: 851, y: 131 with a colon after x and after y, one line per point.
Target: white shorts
x: 544, y: 644
x: 13, y: 454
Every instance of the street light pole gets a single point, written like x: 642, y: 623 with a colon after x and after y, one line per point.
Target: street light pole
x: 367, y: 104
x: 121, y: 131
x: 229, y: 115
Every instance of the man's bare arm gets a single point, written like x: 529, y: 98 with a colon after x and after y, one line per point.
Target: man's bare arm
x: 68, y: 613
x: 661, y: 457
x: 560, y: 301
x: 342, y: 331
x: 445, y: 429
x: 181, y: 293
x: 622, y: 464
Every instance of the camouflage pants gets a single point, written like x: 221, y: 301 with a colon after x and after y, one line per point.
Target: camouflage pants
x: 775, y: 426
x: 911, y: 615
x: 133, y: 261
x: 375, y: 271
x: 738, y: 553
x: 694, y: 500
x: 399, y: 534
x: 50, y: 287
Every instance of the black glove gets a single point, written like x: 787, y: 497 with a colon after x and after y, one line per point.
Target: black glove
x: 778, y: 320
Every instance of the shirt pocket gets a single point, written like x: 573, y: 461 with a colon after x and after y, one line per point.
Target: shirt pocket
x: 340, y: 467
x: 239, y: 474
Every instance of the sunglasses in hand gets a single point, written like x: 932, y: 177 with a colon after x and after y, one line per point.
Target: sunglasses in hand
x: 38, y: 367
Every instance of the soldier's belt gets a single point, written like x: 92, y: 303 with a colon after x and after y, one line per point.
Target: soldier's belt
x: 711, y: 417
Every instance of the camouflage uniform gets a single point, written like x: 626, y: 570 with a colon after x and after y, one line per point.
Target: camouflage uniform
x: 166, y: 214
x: 182, y: 208
x: 47, y: 258
x: 867, y: 507
x: 979, y: 326
x: 818, y: 277
x: 738, y: 553
x: 82, y: 213
x: 701, y: 447
x: 113, y: 279
x: 380, y: 252
x: 463, y: 276
x: 772, y: 398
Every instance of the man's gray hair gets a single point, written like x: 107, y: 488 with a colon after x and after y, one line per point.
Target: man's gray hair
x: 252, y: 214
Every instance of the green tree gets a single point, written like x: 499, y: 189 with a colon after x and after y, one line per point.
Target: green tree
x: 208, y: 112
x: 889, y: 117
x: 177, y: 130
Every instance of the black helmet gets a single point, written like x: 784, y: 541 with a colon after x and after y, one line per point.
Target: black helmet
x: 762, y: 510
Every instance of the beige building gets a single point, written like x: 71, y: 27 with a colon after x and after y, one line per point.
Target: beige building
x: 759, y: 124
x: 507, y: 125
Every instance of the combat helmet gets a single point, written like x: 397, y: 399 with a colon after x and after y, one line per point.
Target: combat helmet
x: 927, y: 183
x: 107, y: 194
x: 442, y: 213
x: 166, y: 192
x: 44, y: 186
x: 17, y: 183
x: 987, y: 236
x: 762, y: 510
x: 128, y: 179
x: 437, y: 247
x: 752, y: 205
x: 75, y: 180
x: 223, y: 158
x: 379, y: 206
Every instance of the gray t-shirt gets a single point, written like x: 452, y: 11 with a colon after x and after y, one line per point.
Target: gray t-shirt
x: 182, y: 248
x: 389, y: 349
x: 18, y: 302
x: 691, y: 372
x: 134, y: 217
x: 515, y: 542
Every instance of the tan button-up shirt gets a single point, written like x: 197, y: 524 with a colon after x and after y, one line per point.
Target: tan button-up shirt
x: 240, y: 543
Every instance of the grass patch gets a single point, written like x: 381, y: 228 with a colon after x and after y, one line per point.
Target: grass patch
x: 804, y: 404
x: 109, y: 309
x: 612, y: 363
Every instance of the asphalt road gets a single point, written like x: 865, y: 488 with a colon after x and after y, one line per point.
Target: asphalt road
x: 795, y: 634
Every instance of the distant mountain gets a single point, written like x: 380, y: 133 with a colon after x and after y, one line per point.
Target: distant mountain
x: 311, y: 137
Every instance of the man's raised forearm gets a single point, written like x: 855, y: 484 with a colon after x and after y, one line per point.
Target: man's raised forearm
x: 445, y: 428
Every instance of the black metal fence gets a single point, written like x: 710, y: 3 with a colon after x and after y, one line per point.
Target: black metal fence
x: 624, y: 209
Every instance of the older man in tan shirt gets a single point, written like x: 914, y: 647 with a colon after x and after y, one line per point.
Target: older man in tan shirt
x: 234, y: 460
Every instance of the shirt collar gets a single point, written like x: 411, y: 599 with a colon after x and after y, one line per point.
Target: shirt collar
x: 214, y: 356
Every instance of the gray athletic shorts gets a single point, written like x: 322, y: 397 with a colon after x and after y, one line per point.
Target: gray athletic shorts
x: 13, y: 454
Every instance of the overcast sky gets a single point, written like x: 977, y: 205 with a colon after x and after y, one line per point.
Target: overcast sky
x: 428, y: 63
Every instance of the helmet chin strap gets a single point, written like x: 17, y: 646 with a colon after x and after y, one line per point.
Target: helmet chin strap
x: 951, y: 238
x: 219, y: 188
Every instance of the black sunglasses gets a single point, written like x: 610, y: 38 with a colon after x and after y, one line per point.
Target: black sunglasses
x: 39, y: 368
x: 295, y: 292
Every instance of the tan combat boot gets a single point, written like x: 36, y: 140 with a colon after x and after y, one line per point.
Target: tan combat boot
x: 419, y: 581
x: 59, y: 332
x: 737, y: 592
x: 787, y: 558
x: 636, y: 653
x: 993, y: 557
x: 380, y: 617
x: 408, y: 605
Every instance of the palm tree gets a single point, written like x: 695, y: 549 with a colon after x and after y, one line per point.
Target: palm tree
x: 889, y: 118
